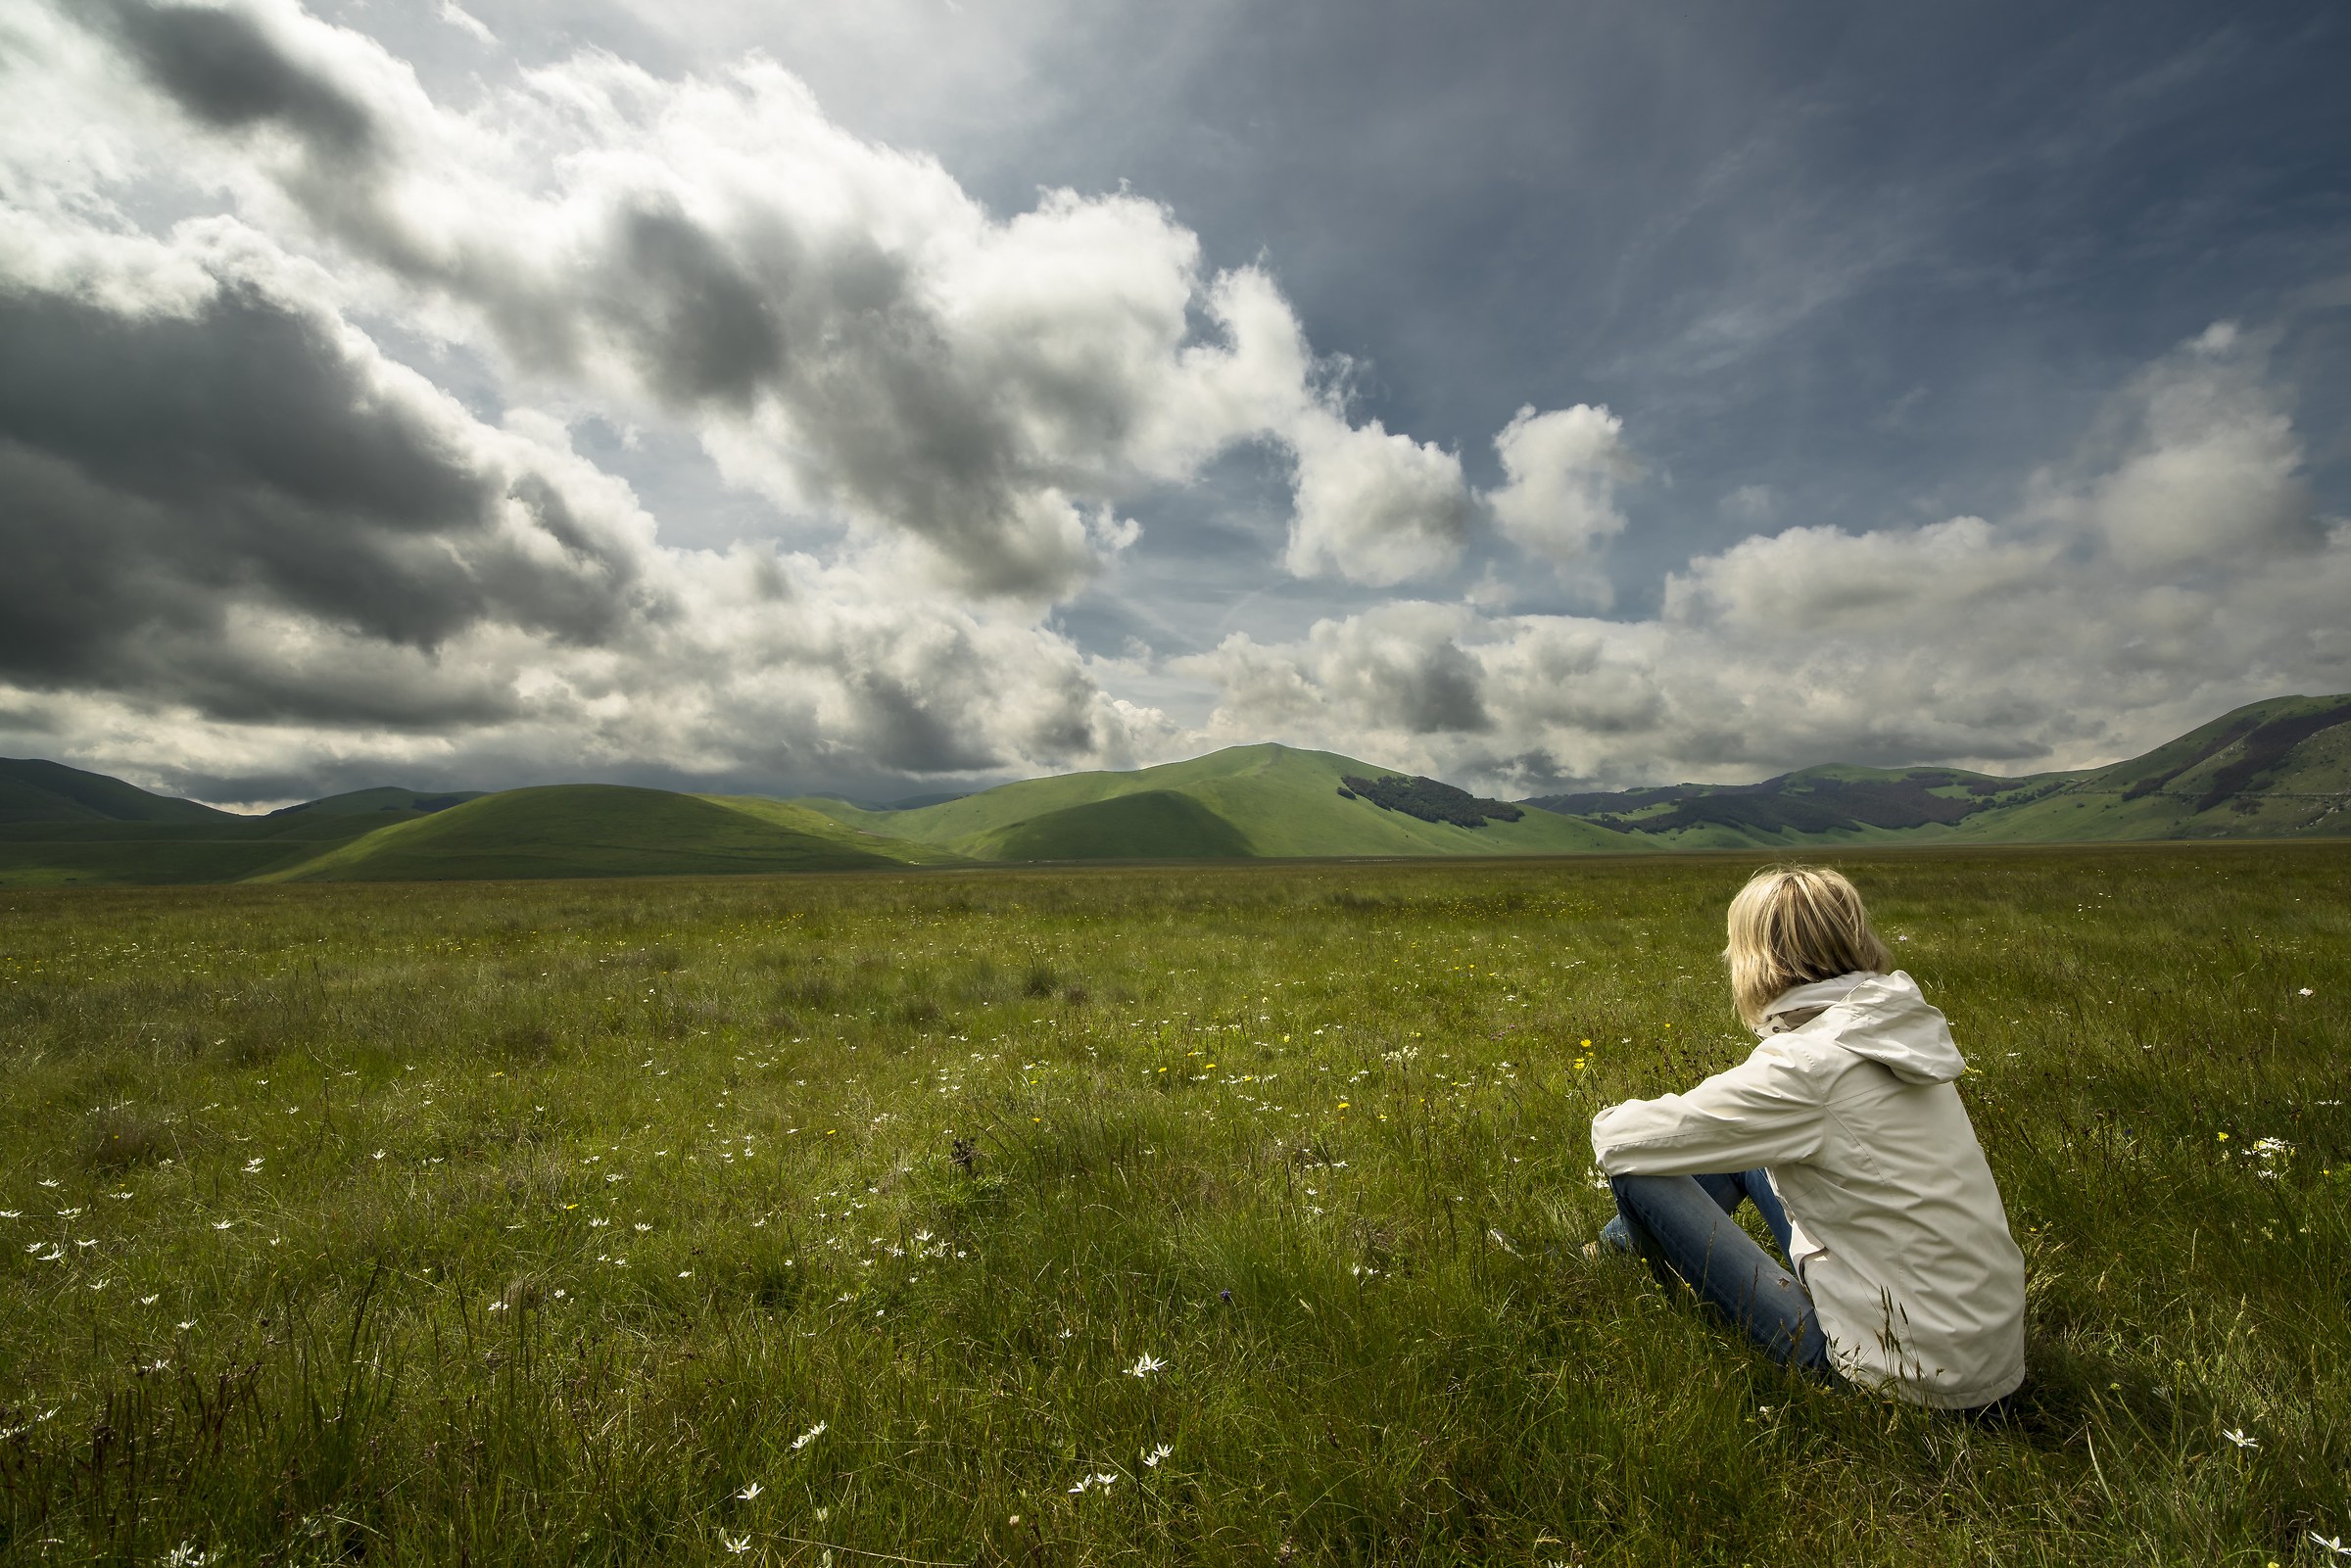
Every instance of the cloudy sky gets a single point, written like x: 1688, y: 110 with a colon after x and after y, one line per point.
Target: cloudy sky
x: 891, y: 395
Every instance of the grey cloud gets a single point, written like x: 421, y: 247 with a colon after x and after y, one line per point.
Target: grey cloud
x: 897, y: 422
x: 851, y: 331
x: 1439, y: 694
x: 700, y: 325
x: 2174, y: 569
x: 168, y: 472
x: 227, y: 71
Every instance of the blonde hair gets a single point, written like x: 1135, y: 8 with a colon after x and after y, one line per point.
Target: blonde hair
x: 1791, y: 924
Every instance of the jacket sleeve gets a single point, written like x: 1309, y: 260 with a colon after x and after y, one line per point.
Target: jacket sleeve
x: 1763, y: 1112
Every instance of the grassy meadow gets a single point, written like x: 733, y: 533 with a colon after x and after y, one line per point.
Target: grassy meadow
x: 1214, y: 1215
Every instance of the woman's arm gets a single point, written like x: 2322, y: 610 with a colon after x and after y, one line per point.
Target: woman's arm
x: 1763, y: 1111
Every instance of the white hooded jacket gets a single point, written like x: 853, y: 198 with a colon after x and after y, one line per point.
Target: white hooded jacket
x: 1900, y: 1236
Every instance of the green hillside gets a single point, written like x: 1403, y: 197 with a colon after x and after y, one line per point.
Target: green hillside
x: 2280, y: 769
x: 226, y: 848
x: 579, y: 830
x: 61, y: 827
x: 33, y: 790
x: 1280, y: 801
x: 1153, y: 825
x: 384, y: 798
x: 800, y: 819
x: 2274, y: 768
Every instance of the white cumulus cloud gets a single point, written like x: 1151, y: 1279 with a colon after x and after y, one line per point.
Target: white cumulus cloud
x: 2173, y: 568
x: 1564, y: 468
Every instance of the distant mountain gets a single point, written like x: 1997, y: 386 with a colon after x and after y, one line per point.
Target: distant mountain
x: 798, y: 818
x: 1245, y: 801
x: 2274, y: 768
x: 383, y: 798
x: 33, y: 790
x: 579, y: 830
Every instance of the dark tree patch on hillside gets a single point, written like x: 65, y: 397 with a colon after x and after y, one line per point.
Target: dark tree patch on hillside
x: 1430, y: 801
x: 1809, y: 805
x: 1609, y: 800
x: 2150, y: 783
x: 2267, y: 746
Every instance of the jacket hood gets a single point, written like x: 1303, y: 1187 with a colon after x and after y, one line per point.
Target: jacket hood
x: 1884, y: 1018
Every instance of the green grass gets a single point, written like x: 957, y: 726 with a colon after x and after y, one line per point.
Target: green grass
x: 1283, y: 802
x: 581, y: 830
x: 321, y: 1195
x: 1154, y: 824
x: 800, y: 819
x: 105, y: 854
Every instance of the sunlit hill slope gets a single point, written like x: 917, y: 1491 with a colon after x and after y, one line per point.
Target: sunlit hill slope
x: 2274, y: 768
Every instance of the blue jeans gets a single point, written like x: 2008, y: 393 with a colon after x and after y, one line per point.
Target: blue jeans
x: 1682, y: 1228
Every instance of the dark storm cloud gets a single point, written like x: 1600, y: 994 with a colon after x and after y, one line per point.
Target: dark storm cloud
x: 1849, y: 284
x: 698, y: 322
x: 1875, y: 263
x: 164, y: 469
x: 227, y: 72
x: 970, y: 430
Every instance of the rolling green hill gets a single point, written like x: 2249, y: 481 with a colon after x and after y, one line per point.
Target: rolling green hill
x: 383, y: 798
x: 1154, y: 824
x: 2274, y: 768
x: 36, y: 791
x: 800, y: 819
x: 63, y: 827
x: 579, y: 830
x: 1275, y: 800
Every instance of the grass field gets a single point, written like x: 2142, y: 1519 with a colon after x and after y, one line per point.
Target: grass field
x: 1219, y: 1215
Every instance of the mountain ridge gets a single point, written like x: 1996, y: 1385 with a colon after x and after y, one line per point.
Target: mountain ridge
x: 2279, y: 767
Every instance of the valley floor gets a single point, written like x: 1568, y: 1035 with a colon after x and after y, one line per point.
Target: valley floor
x: 1218, y: 1215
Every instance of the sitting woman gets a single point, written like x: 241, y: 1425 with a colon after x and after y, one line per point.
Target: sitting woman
x: 1845, y: 1130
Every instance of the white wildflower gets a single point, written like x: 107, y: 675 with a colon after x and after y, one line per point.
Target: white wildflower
x: 1145, y: 1364
x: 2239, y: 1438
x: 809, y: 1436
x: 735, y: 1544
x: 1151, y: 1459
x: 750, y: 1492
